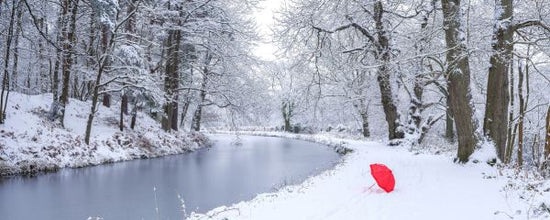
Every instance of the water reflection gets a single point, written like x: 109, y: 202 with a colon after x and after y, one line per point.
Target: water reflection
x: 221, y: 175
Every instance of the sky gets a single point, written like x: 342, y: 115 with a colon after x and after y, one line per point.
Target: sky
x: 265, y: 21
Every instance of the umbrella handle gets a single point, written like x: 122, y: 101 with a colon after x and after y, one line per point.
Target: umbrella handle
x: 371, y: 186
x: 368, y: 189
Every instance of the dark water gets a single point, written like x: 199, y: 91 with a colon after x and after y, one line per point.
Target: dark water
x: 221, y: 175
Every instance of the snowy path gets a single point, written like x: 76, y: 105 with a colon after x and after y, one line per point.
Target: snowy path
x: 427, y: 187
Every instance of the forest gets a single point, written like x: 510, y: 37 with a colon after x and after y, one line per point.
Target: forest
x: 89, y: 82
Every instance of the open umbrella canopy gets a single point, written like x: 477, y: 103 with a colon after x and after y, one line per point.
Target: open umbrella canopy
x: 383, y: 176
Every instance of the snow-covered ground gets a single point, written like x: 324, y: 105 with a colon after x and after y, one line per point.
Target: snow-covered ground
x: 30, y: 143
x: 427, y: 187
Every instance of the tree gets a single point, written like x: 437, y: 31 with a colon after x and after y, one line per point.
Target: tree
x: 108, y: 12
x: 495, y: 123
x: 131, y: 6
x: 171, y: 83
x: 288, y: 111
x: 69, y: 43
x: 458, y: 67
x: 424, y: 75
x: 222, y: 55
x: 206, y: 72
x: 546, y: 158
x: 93, y: 55
x: 498, y: 85
x: 6, y: 76
x: 383, y: 50
x: 375, y: 40
x: 362, y: 103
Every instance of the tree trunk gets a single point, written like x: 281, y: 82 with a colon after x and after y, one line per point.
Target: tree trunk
x: 131, y: 23
x: 90, y: 48
x: 133, y: 121
x: 104, y: 44
x: 42, y: 83
x: 174, y: 117
x: 123, y: 110
x: 61, y: 22
x: 459, y: 80
x: 395, y: 130
x: 91, y: 52
x: 546, y: 158
x: 54, y: 108
x: 55, y: 77
x: 197, y: 116
x: 134, y: 114
x: 106, y: 100
x: 124, y: 104
x: 511, y: 133
x: 54, y: 74
x: 129, y: 26
x: 184, y: 113
x: 495, y: 123
x: 449, y: 122
x: 6, y: 77
x: 196, y: 121
x: 68, y: 59
x: 521, y: 116
x: 287, y: 110
x: 76, y: 88
x: 171, y: 81
x: 365, y: 124
x: 105, y: 62
x: 95, y: 98
x: 416, y: 106
x: 362, y: 107
x: 15, y: 67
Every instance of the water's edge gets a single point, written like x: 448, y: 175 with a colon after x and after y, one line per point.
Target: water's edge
x: 41, y: 166
x: 340, y: 147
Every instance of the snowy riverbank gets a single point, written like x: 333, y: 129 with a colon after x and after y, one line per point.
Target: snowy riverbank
x: 30, y: 143
x: 428, y: 187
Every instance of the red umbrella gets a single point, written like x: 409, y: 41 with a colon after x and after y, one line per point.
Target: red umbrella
x: 383, y: 176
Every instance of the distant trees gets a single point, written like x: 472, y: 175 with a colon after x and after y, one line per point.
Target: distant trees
x: 371, y: 37
x: 221, y: 57
x: 425, y: 49
x: 339, y: 32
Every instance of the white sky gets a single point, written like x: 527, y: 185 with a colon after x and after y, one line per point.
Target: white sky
x: 264, y: 19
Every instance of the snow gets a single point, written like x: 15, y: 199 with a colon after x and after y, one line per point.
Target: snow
x: 427, y: 187
x: 485, y: 153
x: 31, y: 143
